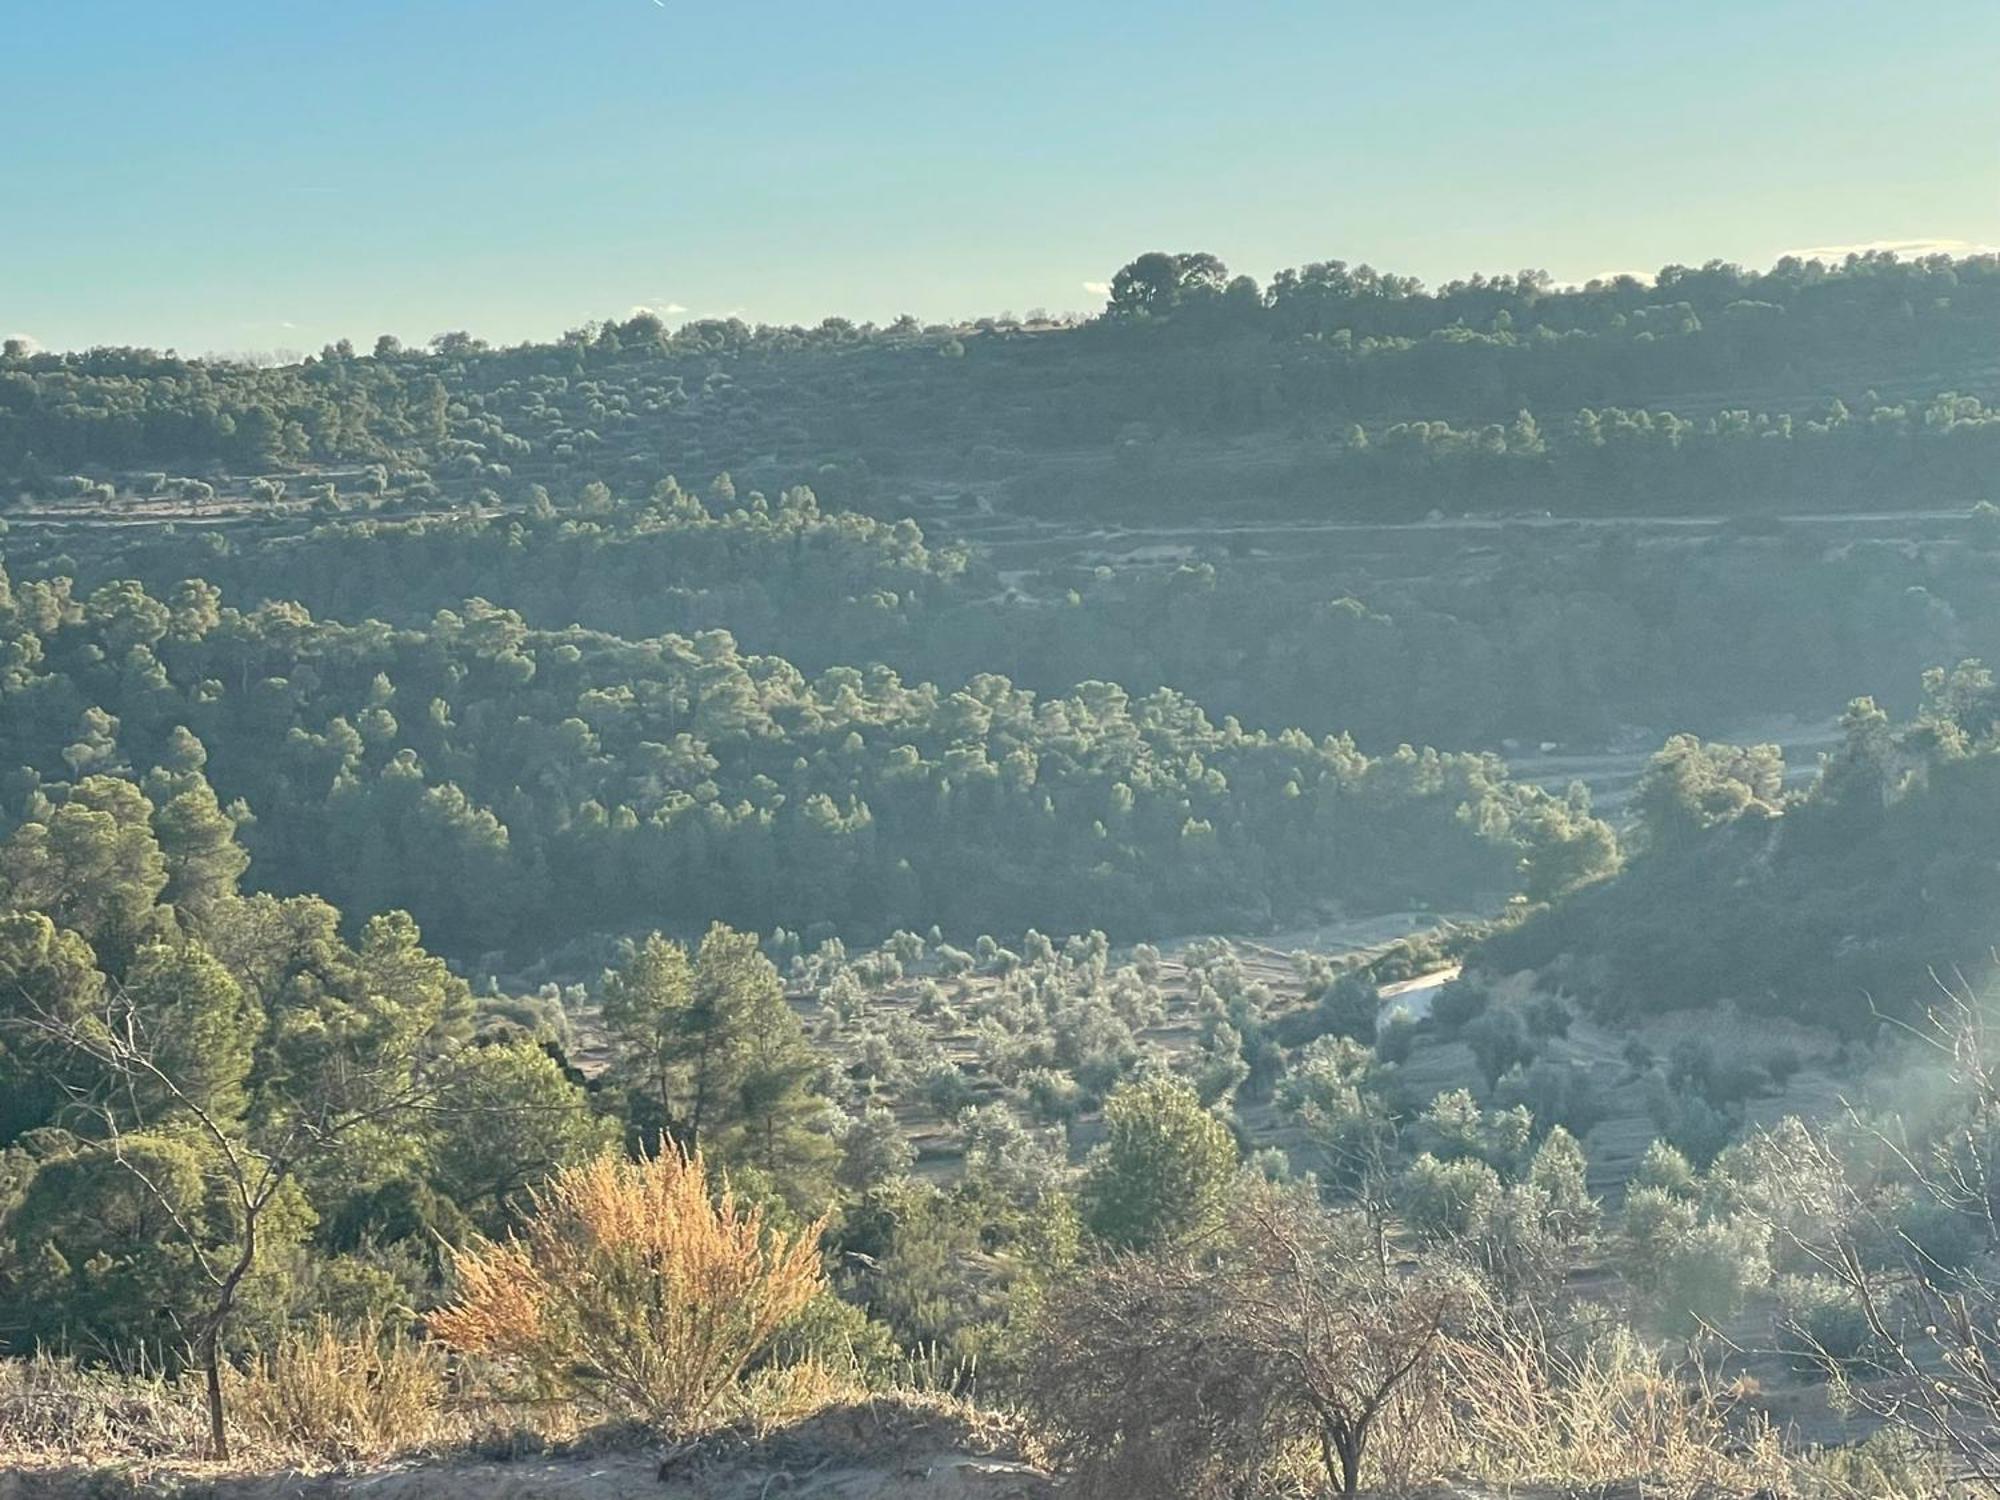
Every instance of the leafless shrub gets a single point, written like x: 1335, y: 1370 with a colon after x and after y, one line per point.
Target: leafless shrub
x: 1141, y: 1389
x: 1902, y: 1215
x: 1195, y: 1374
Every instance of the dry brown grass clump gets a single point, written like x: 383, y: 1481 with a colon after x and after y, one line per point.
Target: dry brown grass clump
x: 319, y: 1396
x: 53, y: 1410
x: 636, y: 1288
x: 1511, y: 1412
x: 322, y: 1394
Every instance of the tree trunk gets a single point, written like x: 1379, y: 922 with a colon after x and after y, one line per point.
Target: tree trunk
x: 1341, y: 1446
x: 1351, y: 1465
x: 211, y: 1358
x: 225, y: 1303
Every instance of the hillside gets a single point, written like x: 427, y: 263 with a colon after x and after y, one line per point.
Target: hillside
x: 1850, y: 899
x: 1087, y: 866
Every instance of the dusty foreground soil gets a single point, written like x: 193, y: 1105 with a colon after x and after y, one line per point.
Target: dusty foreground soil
x: 631, y: 1476
x: 864, y: 1450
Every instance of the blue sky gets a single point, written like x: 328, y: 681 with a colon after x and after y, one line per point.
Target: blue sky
x: 257, y: 174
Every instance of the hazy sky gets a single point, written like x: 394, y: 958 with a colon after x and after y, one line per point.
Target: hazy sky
x: 250, y: 174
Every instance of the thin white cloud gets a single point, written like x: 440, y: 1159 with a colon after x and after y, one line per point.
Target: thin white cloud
x: 659, y: 307
x: 1907, y: 249
x: 32, y: 343
x: 1098, y: 288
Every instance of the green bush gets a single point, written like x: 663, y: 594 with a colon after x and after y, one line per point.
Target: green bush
x: 1939, y: 1239
x: 1458, y: 1002
x: 1450, y: 1200
x: 1547, y: 1016
x: 1163, y: 1172
x: 1822, y: 1328
x: 1555, y: 1093
x: 1665, y: 1168
x: 1396, y: 1040
x: 1499, y: 1040
x: 1707, y: 1274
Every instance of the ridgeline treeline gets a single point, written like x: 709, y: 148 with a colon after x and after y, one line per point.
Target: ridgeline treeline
x: 1333, y: 390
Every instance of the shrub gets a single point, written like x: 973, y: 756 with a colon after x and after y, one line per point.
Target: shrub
x: 1656, y: 1221
x: 1458, y: 1002
x: 340, y: 1396
x: 1547, y: 1016
x: 636, y: 1288
x: 1938, y: 1238
x: 1330, y: 1095
x: 1142, y: 1389
x: 1396, y: 1040
x: 1450, y: 1200
x: 1051, y: 1097
x: 1891, y: 1461
x: 1822, y: 1327
x: 946, y: 1088
x: 1705, y: 1276
x: 1560, y: 1175
x: 1169, y: 1376
x: 1690, y: 1065
x: 1691, y: 1125
x: 1781, y: 1063
x: 1347, y: 1007
x: 1665, y: 1168
x: 1555, y: 1093
x: 1163, y: 1171
x: 1499, y: 1041
x: 1984, y: 525
x: 1693, y: 1069
x: 873, y: 1151
x: 833, y: 1333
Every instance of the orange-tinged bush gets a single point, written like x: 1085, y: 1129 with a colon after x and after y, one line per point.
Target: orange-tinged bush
x: 634, y: 1287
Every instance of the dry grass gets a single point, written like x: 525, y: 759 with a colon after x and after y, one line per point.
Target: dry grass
x: 325, y: 1395
x: 1508, y: 1412
x: 635, y: 1288
x: 1500, y: 1414
x: 53, y: 1411
x: 318, y: 1397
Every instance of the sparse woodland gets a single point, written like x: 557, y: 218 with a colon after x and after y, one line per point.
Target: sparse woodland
x: 1007, y: 911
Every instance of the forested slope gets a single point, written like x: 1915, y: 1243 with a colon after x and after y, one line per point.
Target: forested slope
x: 1851, y: 899
x: 516, y: 787
x: 1446, y: 637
